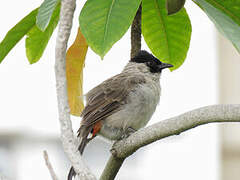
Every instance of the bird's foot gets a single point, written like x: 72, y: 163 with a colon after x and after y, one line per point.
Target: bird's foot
x: 128, y: 132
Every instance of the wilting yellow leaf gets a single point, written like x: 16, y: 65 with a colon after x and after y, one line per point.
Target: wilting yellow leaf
x: 75, y: 59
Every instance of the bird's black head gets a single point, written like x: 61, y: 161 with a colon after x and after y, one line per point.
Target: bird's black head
x: 152, y: 62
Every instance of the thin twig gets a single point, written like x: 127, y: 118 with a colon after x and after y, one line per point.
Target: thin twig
x: 49, y: 166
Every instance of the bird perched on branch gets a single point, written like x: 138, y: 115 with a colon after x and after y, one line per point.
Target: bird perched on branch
x: 122, y: 104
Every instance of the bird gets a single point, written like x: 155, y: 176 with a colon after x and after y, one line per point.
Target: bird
x: 122, y: 104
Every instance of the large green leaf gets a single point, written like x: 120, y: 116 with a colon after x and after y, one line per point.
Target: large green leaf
x: 226, y: 16
x: 37, y: 40
x: 229, y: 7
x: 103, y: 22
x: 16, y: 33
x: 168, y: 37
x: 45, y: 13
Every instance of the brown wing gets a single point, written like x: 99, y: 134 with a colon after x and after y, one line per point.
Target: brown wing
x: 106, y: 98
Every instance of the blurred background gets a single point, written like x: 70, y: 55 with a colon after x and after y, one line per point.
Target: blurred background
x: 29, y: 118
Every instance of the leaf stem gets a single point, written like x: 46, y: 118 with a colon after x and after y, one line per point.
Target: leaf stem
x: 136, y: 32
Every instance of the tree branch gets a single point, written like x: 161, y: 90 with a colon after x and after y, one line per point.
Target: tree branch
x: 67, y: 136
x: 173, y: 126
x: 112, y: 168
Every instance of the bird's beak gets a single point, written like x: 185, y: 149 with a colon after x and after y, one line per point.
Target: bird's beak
x: 165, y: 65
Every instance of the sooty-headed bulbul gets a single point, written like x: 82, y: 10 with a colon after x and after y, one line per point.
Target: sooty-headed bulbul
x: 123, y: 103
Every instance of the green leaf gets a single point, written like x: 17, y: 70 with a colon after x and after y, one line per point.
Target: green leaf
x: 37, y: 40
x: 168, y: 37
x: 16, y: 33
x: 173, y: 6
x: 45, y: 13
x: 226, y: 17
x: 103, y: 22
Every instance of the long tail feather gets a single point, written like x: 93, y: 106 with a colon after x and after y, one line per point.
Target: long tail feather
x: 83, y: 134
x: 71, y: 174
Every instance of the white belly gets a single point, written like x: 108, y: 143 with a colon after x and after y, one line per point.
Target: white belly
x: 135, y: 114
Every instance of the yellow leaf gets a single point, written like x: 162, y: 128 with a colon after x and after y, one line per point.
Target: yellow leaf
x: 75, y: 59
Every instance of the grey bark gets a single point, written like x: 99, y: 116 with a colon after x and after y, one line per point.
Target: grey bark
x: 173, y: 126
x: 112, y: 167
x: 68, y: 140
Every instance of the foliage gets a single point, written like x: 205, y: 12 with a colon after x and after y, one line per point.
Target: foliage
x: 168, y: 37
x: 37, y: 40
x: 165, y: 26
x: 74, y: 69
x: 16, y: 33
x: 103, y: 22
x: 226, y: 16
x: 45, y: 13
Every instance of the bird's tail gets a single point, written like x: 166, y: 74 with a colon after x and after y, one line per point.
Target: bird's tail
x: 83, y: 134
x: 71, y: 173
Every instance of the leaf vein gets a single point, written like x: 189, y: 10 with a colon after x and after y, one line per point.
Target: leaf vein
x: 224, y: 9
x: 164, y: 27
x: 107, y: 22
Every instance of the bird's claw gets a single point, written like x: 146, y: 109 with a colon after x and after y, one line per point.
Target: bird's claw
x: 128, y: 132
